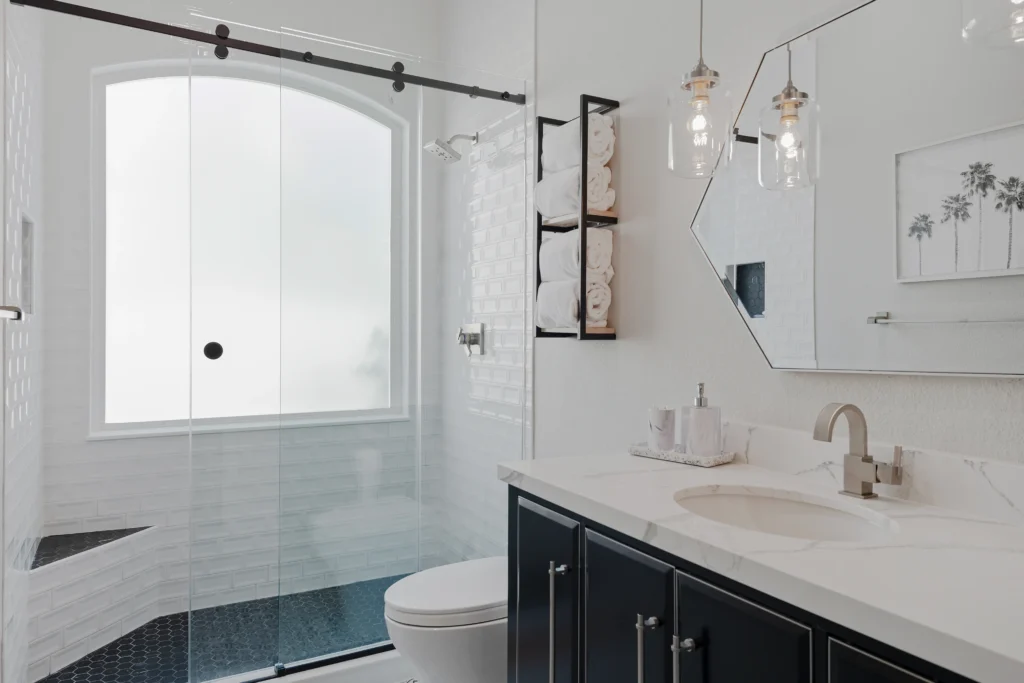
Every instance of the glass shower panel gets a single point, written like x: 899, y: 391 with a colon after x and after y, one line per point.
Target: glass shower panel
x: 349, y: 499
x: 478, y: 259
x: 235, y: 120
x: 96, y: 255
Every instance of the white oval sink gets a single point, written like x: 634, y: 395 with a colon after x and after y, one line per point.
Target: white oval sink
x: 786, y: 513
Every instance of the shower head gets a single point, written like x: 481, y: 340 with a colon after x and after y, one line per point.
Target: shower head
x: 445, y: 150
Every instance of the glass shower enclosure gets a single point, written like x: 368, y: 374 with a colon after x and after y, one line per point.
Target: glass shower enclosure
x: 246, y: 278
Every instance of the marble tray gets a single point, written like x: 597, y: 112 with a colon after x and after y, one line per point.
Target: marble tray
x: 677, y: 454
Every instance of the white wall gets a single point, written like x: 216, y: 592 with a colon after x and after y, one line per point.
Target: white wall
x: 22, y: 174
x: 676, y: 327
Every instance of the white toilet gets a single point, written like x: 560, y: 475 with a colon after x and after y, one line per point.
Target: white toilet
x: 450, y: 622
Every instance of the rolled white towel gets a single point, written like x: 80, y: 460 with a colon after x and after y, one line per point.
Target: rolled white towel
x: 562, y: 144
x: 604, y: 203
x: 602, y: 138
x: 599, y: 300
x: 558, y: 304
x: 559, y: 194
x: 560, y: 256
x: 599, y: 180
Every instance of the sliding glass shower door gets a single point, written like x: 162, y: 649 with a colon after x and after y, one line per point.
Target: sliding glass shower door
x: 235, y: 354
x: 304, y: 364
x: 349, y: 463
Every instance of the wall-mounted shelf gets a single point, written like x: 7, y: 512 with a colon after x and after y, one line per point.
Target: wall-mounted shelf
x: 585, y: 218
x: 595, y: 219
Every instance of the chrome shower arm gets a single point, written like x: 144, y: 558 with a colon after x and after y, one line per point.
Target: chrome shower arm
x: 475, y: 137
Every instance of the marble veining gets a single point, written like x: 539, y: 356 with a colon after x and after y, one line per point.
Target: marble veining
x: 987, y: 487
x: 907, y: 589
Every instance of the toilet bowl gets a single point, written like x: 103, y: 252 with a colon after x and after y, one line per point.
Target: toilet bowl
x: 450, y: 622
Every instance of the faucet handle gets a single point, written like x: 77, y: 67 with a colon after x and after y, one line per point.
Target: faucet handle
x: 891, y: 474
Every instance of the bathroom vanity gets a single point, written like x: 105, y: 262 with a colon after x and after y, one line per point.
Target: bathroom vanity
x: 626, y: 569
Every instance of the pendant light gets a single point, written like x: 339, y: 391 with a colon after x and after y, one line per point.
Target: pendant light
x: 698, y: 130
x: 787, y: 146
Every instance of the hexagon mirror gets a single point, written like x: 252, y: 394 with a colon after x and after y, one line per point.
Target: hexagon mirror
x: 903, y: 256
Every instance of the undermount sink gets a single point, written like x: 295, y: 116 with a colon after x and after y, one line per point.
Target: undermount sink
x: 786, y: 513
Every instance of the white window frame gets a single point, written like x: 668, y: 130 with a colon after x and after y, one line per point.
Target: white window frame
x: 402, y: 282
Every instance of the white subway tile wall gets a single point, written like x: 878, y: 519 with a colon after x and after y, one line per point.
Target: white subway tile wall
x: 488, y: 279
x: 23, y: 352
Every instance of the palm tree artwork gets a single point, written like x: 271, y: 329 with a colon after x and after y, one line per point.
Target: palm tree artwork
x: 921, y: 228
x: 978, y: 179
x: 1010, y: 198
x: 956, y: 208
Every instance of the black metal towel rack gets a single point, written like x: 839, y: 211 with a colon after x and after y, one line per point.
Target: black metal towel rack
x: 588, y: 105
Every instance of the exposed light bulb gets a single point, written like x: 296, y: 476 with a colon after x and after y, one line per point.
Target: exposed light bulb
x: 699, y: 125
x: 789, y: 140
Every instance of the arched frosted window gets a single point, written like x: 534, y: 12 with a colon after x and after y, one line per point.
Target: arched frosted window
x: 260, y: 217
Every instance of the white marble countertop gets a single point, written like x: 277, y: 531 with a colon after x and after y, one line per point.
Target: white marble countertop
x: 947, y: 586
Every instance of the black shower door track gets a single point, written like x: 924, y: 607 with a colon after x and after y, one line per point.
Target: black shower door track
x: 223, y: 42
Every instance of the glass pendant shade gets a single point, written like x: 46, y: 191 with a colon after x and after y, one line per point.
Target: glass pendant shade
x: 699, y: 122
x: 787, y: 141
x: 994, y: 23
x: 788, y: 144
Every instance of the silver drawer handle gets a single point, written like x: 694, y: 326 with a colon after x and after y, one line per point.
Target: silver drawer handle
x: 686, y: 645
x: 641, y: 626
x: 553, y: 571
x: 10, y: 313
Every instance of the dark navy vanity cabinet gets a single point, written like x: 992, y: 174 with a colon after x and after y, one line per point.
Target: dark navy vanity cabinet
x: 589, y: 605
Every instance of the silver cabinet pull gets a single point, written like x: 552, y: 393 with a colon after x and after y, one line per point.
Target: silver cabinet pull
x: 553, y: 571
x: 685, y: 645
x: 10, y: 313
x: 641, y: 626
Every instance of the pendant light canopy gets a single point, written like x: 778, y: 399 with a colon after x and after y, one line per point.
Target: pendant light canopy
x: 994, y: 23
x: 788, y: 140
x: 698, y: 132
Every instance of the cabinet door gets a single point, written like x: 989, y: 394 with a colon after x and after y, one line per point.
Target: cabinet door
x: 847, y: 664
x: 549, y: 591
x: 624, y: 587
x: 724, y: 638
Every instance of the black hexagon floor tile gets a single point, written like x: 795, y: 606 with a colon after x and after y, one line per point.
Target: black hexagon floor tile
x: 237, y: 638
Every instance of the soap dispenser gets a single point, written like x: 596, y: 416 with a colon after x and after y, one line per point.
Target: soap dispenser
x: 704, y: 438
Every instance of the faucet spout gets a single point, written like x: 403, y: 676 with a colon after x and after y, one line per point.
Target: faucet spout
x: 826, y: 424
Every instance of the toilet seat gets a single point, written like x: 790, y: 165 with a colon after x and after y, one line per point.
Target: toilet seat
x: 461, y: 594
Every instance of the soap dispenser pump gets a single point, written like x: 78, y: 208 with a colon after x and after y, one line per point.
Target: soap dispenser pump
x: 704, y: 438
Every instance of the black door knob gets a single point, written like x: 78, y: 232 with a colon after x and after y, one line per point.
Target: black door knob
x: 213, y: 350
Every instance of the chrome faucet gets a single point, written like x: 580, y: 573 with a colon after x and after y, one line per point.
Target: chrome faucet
x: 860, y: 471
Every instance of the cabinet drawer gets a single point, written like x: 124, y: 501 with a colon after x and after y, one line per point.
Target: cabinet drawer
x: 724, y: 638
x: 847, y: 664
x: 547, y: 643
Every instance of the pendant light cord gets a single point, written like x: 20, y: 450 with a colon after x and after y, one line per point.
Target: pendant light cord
x: 789, y: 53
x: 702, y: 31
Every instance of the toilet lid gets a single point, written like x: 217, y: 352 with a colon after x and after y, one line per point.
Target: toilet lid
x: 458, y: 594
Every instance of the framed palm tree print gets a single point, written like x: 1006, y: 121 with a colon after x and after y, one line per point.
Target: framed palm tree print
x: 957, y: 203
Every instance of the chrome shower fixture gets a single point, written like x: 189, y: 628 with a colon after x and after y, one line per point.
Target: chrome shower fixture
x: 445, y: 150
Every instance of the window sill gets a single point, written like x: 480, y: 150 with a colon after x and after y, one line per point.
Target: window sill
x: 144, y: 431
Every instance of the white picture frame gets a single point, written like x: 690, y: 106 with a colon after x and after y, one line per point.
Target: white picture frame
x: 957, y: 241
